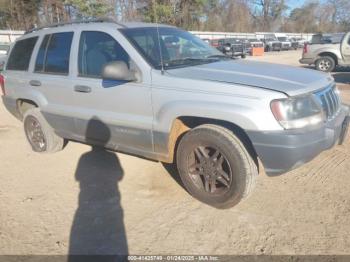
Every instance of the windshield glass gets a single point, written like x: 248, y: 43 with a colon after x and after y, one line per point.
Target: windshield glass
x: 178, y: 48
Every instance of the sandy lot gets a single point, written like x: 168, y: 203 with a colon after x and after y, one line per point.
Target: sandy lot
x: 81, y: 201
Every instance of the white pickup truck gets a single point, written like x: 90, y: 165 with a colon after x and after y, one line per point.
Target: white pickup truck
x: 327, y: 56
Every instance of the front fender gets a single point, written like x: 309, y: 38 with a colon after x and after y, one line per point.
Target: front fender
x: 220, y: 111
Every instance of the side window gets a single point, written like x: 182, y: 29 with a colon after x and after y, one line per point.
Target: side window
x: 54, y: 52
x: 20, y: 55
x: 39, y: 65
x: 97, y: 49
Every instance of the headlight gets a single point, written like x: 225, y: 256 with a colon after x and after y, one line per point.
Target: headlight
x: 297, y: 112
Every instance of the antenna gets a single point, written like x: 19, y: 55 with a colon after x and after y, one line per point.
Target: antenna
x: 158, y: 36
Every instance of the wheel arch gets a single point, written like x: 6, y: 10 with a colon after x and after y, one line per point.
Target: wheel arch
x: 183, y: 124
x: 330, y: 54
x: 23, y: 105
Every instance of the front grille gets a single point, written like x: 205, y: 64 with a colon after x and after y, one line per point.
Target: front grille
x: 237, y: 48
x: 330, y: 101
x: 277, y: 44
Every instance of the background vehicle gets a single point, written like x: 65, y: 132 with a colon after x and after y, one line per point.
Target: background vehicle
x: 252, y: 42
x: 272, y: 44
x: 232, y: 47
x: 4, y: 48
x: 3, y: 54
x: 286, y: 44
x: 161, y: 93
x: 327, y: 56
x: 300, y: 41
x: 294, y: 43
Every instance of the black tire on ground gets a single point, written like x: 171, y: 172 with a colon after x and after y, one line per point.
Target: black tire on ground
x: 243, y: 56
x: 40, y: 135
x: 267, y: 48
x: 221, y: 179
x: 325, y: 64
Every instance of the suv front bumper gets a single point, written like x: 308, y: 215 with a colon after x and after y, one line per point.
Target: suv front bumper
x: 281, y: 151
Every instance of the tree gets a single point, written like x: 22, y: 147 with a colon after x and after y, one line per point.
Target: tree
x: 91, y: 8
x: 19, y: 14
x: 268, y: 14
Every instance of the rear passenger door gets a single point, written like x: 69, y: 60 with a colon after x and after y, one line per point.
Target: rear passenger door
x: 51, y: 81
x: 113, y: 113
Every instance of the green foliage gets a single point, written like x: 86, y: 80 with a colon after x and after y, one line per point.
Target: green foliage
x: 90, y: 8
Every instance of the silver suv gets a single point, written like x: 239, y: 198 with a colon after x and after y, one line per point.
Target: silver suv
x: 161, y: 93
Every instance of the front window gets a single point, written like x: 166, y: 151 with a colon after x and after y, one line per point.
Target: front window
x: 175, y: 48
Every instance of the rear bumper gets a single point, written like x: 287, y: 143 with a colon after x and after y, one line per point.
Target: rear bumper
x: 281, y: 151
x: 11, y: 106
x: 306, y: 61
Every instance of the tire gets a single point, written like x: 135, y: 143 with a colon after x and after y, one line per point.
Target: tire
x: 40, y: 136
x: 243, y: 56
x: 267, y: 49
x: 202, y: 169
x: 325, y: 64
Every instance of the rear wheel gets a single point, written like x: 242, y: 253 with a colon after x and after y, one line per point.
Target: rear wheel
x: 215, y: 166
x: 325, y: 64
x: 40, y: 135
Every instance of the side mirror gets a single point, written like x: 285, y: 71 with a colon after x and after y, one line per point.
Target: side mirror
x: 118, y: 70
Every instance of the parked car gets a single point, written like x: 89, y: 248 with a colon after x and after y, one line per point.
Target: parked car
x: 252, y: 42
x: 300, y: 41
x: 161, y: 93
x: 3, y: 54
x: 285, y: 43
x: 327, y: 56
x: 272, y: 44
x: 294, y: 43
x: 4, y: 47
x: 207, y: 40
x: 232, y: 47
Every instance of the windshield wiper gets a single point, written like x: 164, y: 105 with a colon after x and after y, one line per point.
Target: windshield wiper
x: 186, y: 61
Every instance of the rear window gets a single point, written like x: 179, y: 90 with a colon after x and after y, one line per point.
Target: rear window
x: 54, y: 52
x: 20, y: 55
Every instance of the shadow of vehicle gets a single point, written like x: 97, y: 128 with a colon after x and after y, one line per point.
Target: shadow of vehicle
x: 98, y: 227
x: 341, y: 77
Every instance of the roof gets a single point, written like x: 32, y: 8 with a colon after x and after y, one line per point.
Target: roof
x: 100, y: 20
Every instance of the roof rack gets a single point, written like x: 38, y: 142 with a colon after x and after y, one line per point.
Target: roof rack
x: 97, y: 20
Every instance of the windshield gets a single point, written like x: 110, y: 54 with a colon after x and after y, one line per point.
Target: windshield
x: 178, y: 48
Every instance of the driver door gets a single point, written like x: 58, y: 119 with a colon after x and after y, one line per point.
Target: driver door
x: 115, y: 114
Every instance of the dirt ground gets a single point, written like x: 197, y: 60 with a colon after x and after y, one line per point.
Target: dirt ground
x: 69, y: 201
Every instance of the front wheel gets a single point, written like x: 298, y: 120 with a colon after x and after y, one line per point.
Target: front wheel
x: 325, y: 64
x: 215, y: 167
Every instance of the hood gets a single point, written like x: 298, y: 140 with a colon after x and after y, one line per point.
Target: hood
x: 286, y: 79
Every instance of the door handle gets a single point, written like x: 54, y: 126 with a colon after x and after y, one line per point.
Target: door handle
x: 35, y: 83
x: 82, y: 89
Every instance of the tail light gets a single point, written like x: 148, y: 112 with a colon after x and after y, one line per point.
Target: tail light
x: 2, y: 84
x: 305, y: 48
